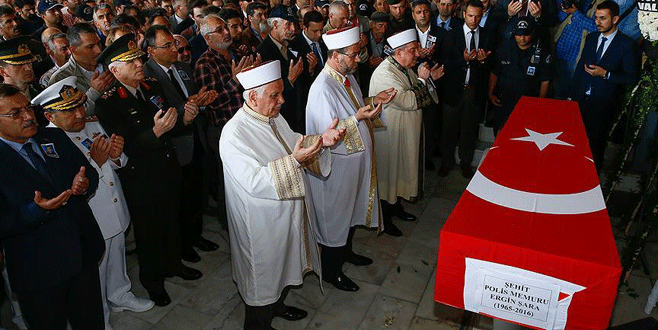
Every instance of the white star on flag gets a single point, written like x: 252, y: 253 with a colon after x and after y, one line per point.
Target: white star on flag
x: 542, y: 140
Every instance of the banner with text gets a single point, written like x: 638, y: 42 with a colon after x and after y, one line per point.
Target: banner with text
x: 517, y: 295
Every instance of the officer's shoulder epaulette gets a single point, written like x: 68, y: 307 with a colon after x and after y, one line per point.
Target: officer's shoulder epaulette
x: 90, y: 119
x: 109, y: 93
x: 150, y: 79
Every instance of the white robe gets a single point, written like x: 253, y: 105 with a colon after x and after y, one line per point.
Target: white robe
x: 398, y: 145
x: 348, y: 196
x: 269, y: 211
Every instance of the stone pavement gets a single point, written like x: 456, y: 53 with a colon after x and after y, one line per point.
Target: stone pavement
x: 396, y: 290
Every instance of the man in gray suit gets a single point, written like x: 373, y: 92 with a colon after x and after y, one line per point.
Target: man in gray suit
x: 85, y: 47
x: 177, y: 82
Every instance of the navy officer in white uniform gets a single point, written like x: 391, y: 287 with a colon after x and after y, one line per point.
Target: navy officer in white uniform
x: 64, y: 107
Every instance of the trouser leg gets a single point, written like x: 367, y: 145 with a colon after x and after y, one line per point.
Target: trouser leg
x: 118, y: 283
x: 83, y: 301
x: 15, y: 307
x: 468, y: 135
x: 332, y: 261
x: 450, y: 124
x: 260, y: 317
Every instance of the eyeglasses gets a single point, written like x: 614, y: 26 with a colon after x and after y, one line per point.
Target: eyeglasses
x: 19, y: 112
x: 182, y: 50
x: 219, y: 29
x: 165, y: 46
x: 351, y: 56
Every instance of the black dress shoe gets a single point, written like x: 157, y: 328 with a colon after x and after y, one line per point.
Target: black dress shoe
x: 467, y: 172
x: 443, y: 171
x: 160, y: 298
x: 189, y: 274
x: 190, y: 256
x: 205, y: 245
x: 357, y: 260
x: 405, y: 216
x: 292, y: 314
x: 342, y: 282
x: 392, y: 230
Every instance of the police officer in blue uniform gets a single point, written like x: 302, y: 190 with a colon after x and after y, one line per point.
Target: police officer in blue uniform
x: 522, y: 68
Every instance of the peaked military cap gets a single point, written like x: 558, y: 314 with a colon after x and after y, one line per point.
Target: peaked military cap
x: 61, y: 96
x: 123, y: 49
x: 15, y: 51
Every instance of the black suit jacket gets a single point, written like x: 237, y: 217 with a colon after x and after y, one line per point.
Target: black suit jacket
x: 300, y: 45
x: 45, y: 248
x: 455, y: 66
x: 152, y: 173
x: 294, y: 109
x: 184, y: 143
x: 439, y: 36
x: 620, y: 60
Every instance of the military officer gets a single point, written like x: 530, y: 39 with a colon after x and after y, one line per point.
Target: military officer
x: 134, y: 108
x: 63, y: 106
x: 522, y: 68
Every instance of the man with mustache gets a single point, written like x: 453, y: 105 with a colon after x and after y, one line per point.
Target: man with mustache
x: 10, y: 28
x: 135, y: 109
x: 51, y: 241
x: 277, y: 47
x: 103, y: 15
x: 217, y: 71
x: 27, y: 17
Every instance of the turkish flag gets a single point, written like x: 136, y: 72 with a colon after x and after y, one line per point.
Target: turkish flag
x: 536, y: 204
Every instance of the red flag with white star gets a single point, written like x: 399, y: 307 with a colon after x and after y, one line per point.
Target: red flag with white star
x: 533, y: 215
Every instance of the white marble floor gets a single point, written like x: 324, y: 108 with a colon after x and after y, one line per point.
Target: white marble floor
x: 396, y: 290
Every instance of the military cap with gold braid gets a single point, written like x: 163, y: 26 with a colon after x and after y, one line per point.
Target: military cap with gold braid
x: 61, y: 96
x: 123, y: 49
x: 15, y: 51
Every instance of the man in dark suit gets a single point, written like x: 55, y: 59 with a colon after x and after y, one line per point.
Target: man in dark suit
x: 181, y: 19
x: 51, y: 240
x: 446, y: 18
x: 466, y: 53
x: 177, y: 82
x: 607, y: 63
x: 277, y: 47
x: 135, y: 109
x: 256, y: 12
x: 430, y: 38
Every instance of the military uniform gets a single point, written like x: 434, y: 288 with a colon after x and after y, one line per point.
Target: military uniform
x: 520, y: 73
x: 151, y: 178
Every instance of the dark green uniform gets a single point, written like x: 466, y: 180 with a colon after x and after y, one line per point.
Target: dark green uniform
x: 520, y: 73
x: 151, y: 178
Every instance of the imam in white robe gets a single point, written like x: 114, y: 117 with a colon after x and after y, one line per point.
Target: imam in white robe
x: 269, y: 210
x: 398, y: 144
x: 348, y: 196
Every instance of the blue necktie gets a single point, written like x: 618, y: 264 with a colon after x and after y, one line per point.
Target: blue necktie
x: 37, y: 162
x: 317, y: 53
x: 599, y: 52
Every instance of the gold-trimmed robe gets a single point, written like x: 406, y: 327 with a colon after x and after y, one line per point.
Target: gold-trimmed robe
x: 398, y: 145
x: 270, y: 215
x: 348, y: 196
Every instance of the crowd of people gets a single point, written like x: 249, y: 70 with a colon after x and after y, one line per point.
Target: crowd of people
x: 302, y: 121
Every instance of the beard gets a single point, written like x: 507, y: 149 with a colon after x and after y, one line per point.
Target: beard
x: 345, y: 68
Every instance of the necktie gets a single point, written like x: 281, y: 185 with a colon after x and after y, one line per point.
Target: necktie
x: 37, y: 162
x: 314, y: 45
x: 175, y: 83
x: 347, y: 84
x: 443, y: 25
x: 599, y: 52
x: 472, y: 45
